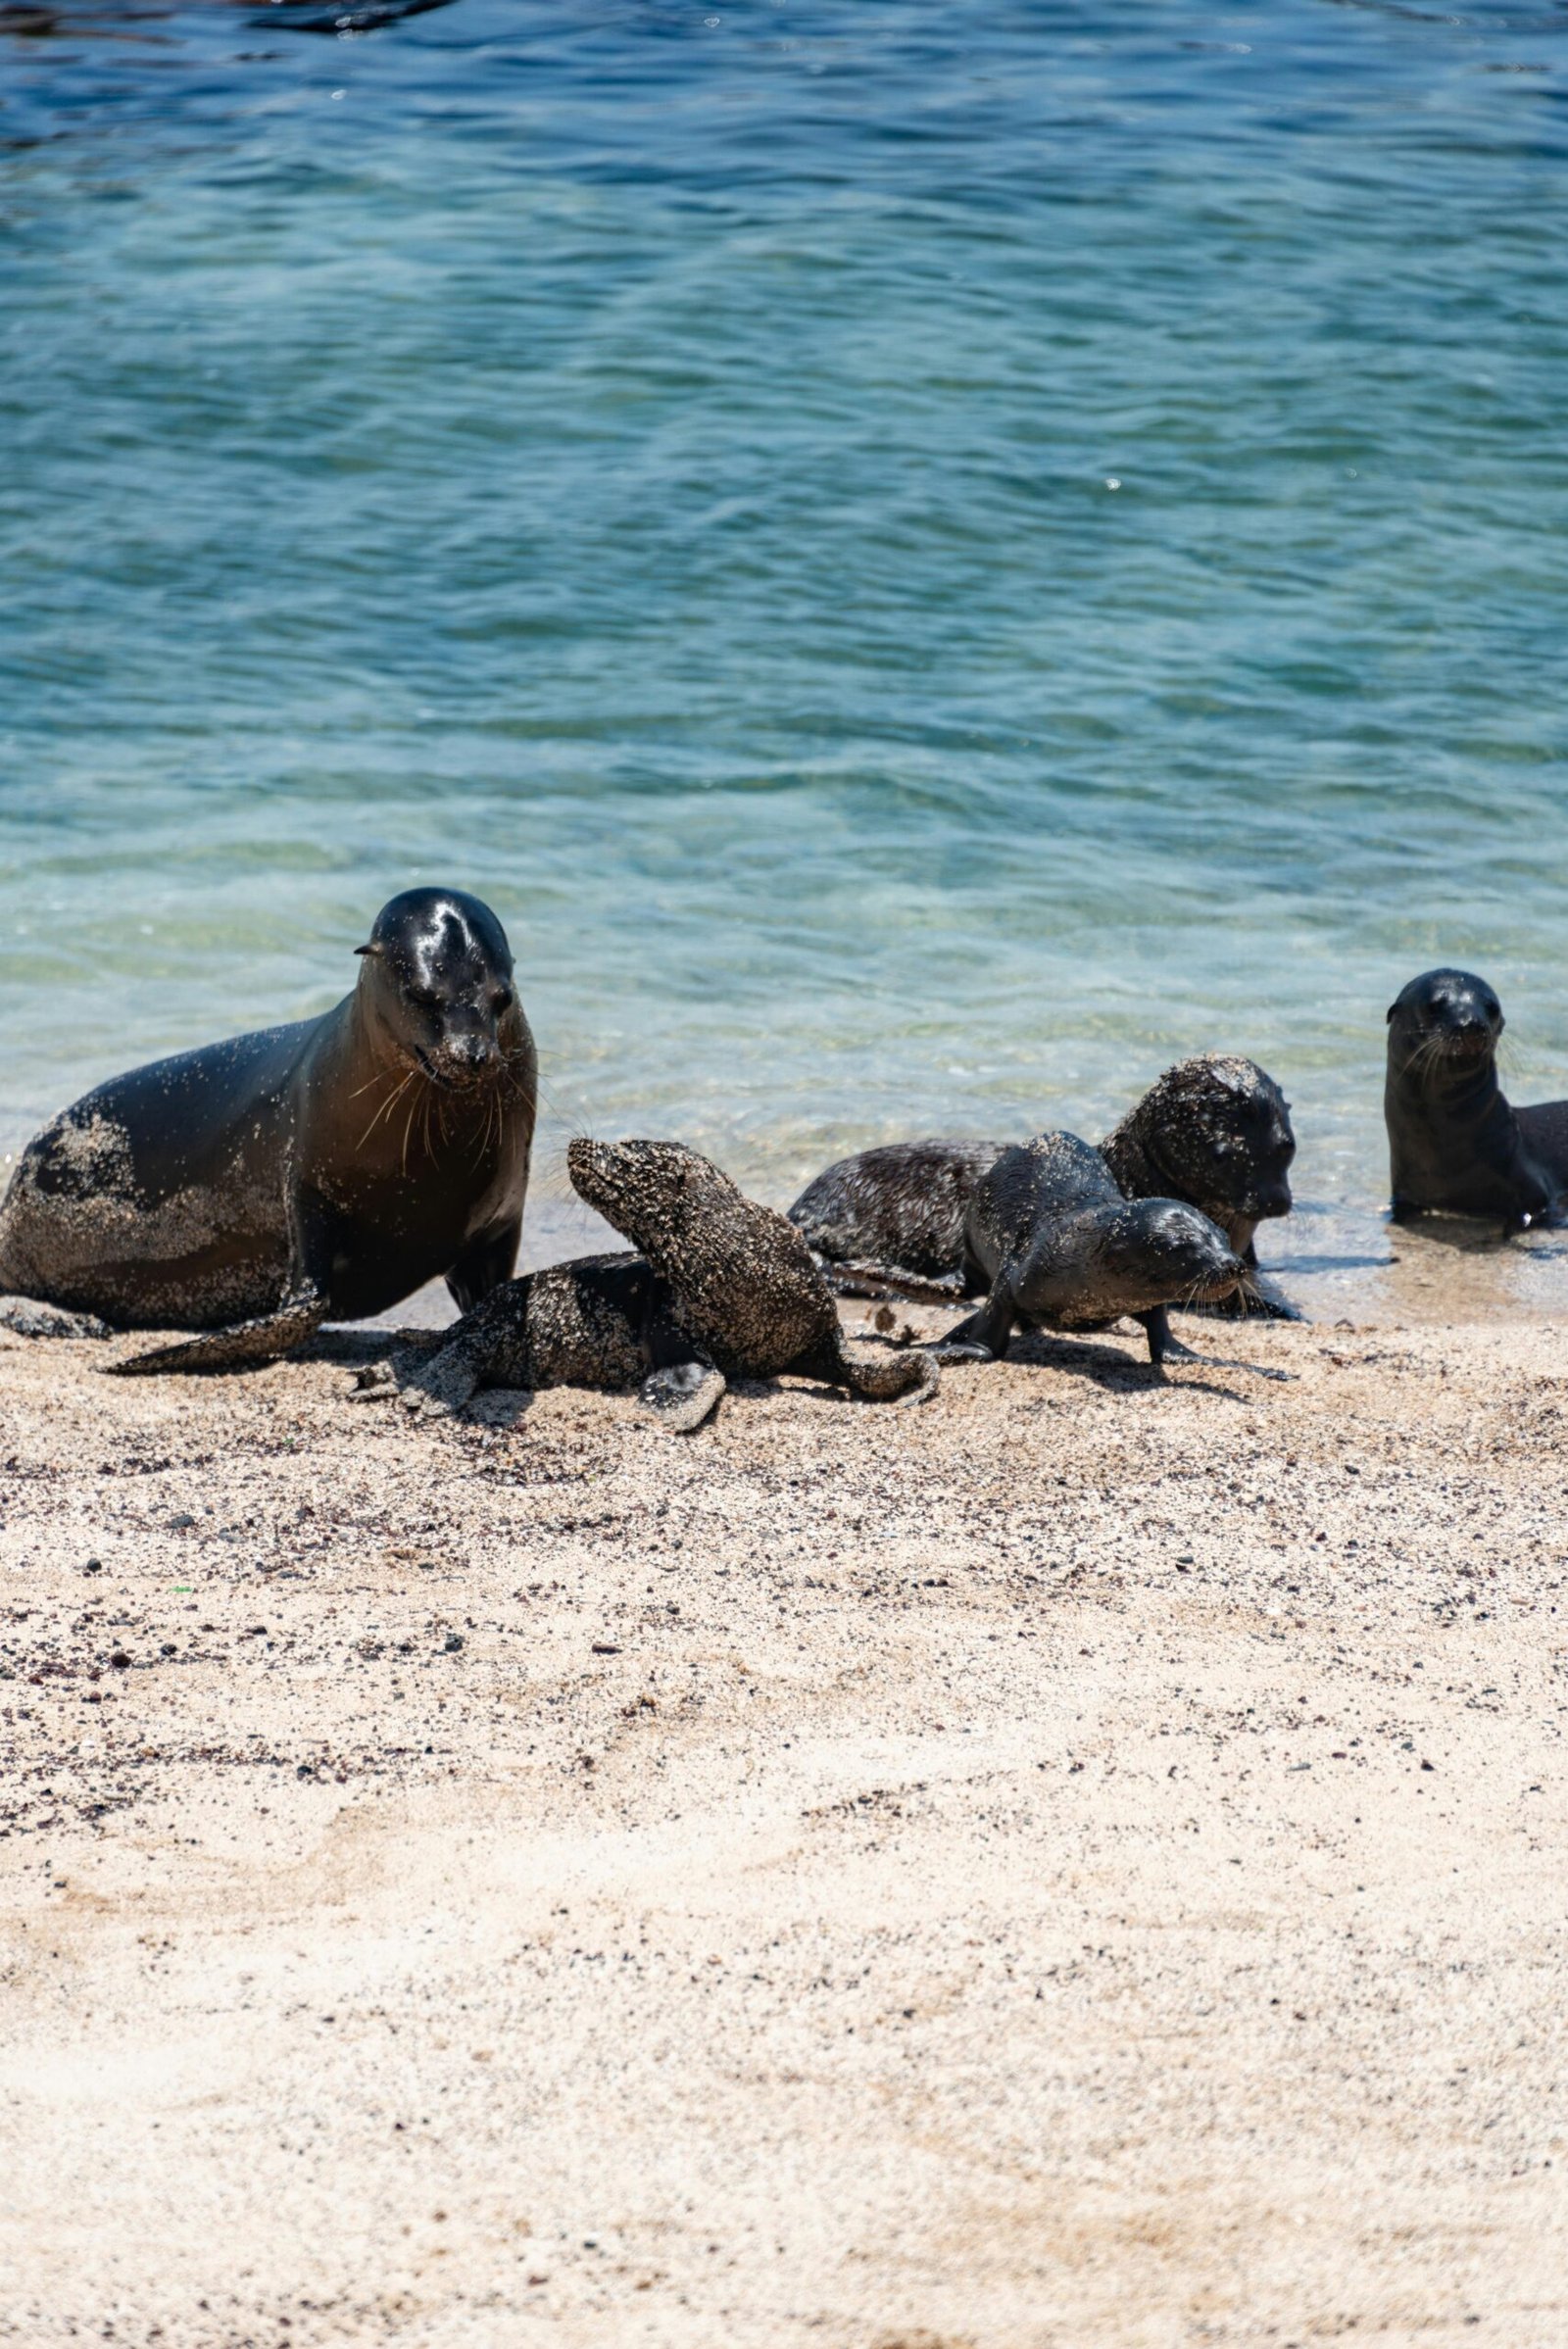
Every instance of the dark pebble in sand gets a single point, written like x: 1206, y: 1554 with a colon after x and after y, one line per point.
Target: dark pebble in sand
x: 604, y: 1647
x: 181, y: 1524
x: 454, y: 1642
x: 93, y: 1566
x: 169, y: 1649
x: 120, y: 1660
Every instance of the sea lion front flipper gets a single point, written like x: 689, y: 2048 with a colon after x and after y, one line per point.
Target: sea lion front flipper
x: 984, y: 1336
x: 237, y: 1348
x: 682, y: 1395
x: 30, y: 1317
x: 1163, y: 1346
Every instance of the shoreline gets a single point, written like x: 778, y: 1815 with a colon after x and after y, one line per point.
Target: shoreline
x: 960, y: 1875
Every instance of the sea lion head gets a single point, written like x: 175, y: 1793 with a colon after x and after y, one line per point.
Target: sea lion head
x: 438, y: 975
x: 651, y: 1193
x: 747, y: 1287
x: 1217, y: 1132
x: 1160, y: 1251
x: 1443, y: 1024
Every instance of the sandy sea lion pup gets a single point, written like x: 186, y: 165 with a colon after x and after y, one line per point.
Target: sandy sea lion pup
x: 747, y: 1291
x: 251, y: 1188
x: 1063, y: 1250
x: 1214, y: 1132
x: 602, y: 1322
x: 1455, y: 1145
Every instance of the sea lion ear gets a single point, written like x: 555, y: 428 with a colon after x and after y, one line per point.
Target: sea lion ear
x: 370, y: 948
x: 1392, y: 1008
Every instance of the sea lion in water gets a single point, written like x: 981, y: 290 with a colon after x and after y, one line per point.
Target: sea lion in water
x: 1456, y: 1144
x: 747, y: 1291
x: 1061, y: 1249
x: 251, y: 1188
x: 604, y: 1322
x: 1214, y: 1132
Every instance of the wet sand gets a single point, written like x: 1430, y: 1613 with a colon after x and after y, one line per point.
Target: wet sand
x: 1079, y: 1862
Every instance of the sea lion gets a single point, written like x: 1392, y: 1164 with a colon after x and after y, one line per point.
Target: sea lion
x: 1214, y: 1132
x: 746, y: 1289
x: 1061, y: 1249
x: 1217, y: 1132
x: 251, y: 1188
x: 1456, y: 1144
x: 606, y: 1322
x: 890, y: 1220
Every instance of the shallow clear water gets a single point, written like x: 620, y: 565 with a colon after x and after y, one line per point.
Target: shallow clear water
x: 928, y: 560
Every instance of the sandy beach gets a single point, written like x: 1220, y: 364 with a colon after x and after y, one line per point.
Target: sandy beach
x: 1077, y: 1862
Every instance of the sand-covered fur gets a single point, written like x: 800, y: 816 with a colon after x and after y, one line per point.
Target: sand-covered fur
x: 1214, y: 1131
x: 745, y: 1284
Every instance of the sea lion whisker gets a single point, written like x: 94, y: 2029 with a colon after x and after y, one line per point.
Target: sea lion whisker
x: 390, y: 1103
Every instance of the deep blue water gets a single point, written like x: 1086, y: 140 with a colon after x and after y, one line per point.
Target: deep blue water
x: 928, y: 559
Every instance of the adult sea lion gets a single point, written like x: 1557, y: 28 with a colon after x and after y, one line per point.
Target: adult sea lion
x: 251, y: 1188
x: 746, y: 1290
x: 1457, y: 1145
x: 607, y: 1322
x: 1061, y: 1249
x: 1214, y: 1132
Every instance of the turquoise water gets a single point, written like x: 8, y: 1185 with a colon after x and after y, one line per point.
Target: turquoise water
x: 928, y: 560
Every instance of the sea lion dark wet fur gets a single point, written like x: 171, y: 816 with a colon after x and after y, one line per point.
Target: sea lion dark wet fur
x: 1456, y: 1145
x: 746, y: 1289
x: 1214, y: 1132
x: 251, y: 1188
x: 602, y: 1322
x: 890, y: 1220
x: 1063, y: 1250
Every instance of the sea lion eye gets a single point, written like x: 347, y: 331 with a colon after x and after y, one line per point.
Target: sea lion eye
x: 503, y: 998
x: 424, y: 997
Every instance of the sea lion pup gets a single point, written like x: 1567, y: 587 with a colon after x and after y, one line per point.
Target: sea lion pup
x: 1063, y: 1250
x: 253, y: 1188
x: 746, y: 1290
x: 890, y: 1220
x: 1217, y: 1132
x: 1214, y: 1132
x: 604, y: 1322
x: 1456, y: 1144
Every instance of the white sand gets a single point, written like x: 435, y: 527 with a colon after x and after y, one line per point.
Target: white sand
x: 889, y: 1878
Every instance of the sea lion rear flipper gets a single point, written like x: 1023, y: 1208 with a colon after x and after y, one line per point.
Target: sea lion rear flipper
x: 682, y: 1395
x: 236, y: 1347
x: 901, y: 1374
x: 892, y: 1280
x: 30, y: 1317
